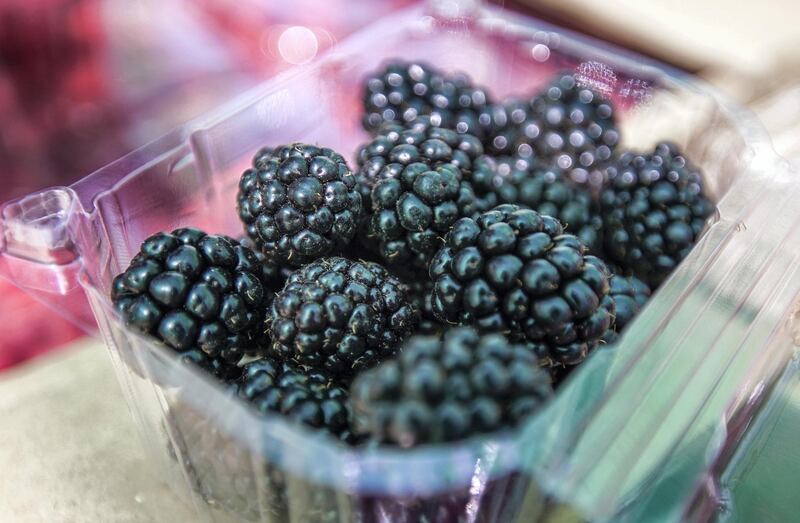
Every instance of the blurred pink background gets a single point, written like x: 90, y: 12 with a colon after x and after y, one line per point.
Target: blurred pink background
x: 82, y: 82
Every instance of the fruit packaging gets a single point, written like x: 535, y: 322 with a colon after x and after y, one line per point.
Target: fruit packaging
x: 630, y: 436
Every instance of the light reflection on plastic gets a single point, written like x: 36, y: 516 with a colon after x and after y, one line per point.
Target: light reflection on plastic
x: 298, y: 45
x: 480, y: 479
x: 597, y: 76
x: 540, y: 52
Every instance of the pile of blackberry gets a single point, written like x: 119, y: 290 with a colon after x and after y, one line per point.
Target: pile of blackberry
x: 478, y: 250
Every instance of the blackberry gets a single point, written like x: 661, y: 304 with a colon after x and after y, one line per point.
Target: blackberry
x: 542, y: 188
x: 402, y: 91
x: 449, y: 388
x: 223, y: 370
x: 653, y: 211
x: 203, y: 295
x: 567, y: 124
x: 303, y: 395
x: 340, y: 316
x: 413, y: 209
x: 299, y: 202
x: 630, y: 295
x: 513, y: 270
x: 396, y: 146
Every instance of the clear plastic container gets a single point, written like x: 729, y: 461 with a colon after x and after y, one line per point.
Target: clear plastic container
x: 631, y: 436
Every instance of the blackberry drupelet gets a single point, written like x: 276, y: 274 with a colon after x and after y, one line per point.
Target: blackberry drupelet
x: 653, y: 211
x: 571, y: 126
x: 205, y: 296
x: 299, y: 202
x: 303, y: 395
x: 542, y: 188
x: 630, y: 295
x: 449, y: 388
x: 513, y: 270
x: 402, y: 91
x: 340, y: 316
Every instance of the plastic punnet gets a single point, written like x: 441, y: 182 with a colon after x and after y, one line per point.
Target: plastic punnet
x: 628, y: 437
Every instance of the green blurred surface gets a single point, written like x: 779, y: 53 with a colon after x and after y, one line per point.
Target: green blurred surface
x: 761, y: 481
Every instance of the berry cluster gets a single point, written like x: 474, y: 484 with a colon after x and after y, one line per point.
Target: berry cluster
x: 340, y: 316
x: 480, y: 249
x: 514, y: 270
x: 402, y: 91
x: 449, y: 388
x: 298, y: 202
x: 204, y: 296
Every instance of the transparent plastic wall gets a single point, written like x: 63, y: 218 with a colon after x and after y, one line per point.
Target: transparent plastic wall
x: 630, y: 436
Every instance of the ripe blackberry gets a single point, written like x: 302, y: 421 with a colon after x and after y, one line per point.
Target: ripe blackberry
x: 449, y: 388
x: 340, y: 316
x: 204, y: 296
x: 539, y: 187
x: 513, y: 270
x: 653, y: 211
x: 567, y: 124
x: 402, y: 91
x: 299, y: 202
x: 413, y: 209
x: 303, y: 395
x: 396, y: 146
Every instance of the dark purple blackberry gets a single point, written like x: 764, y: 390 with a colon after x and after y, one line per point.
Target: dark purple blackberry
x: 402, y: 91
x: 299, y: 202
x: 568, y: 125
x: 539, y: 187
x: 422, y: 140
x: 413, y: 209
x: 449, y: 388
x: 340, y: 316
x: 513, y: 270
x: 303, y: 395
x: 204, y: 296
x: 653, y: 210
